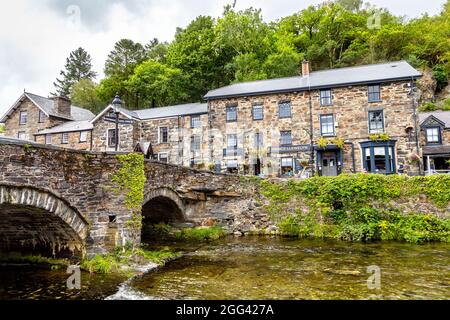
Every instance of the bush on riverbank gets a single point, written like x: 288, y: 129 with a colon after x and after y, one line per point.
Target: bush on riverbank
x: 343, y: 207
x: 118, y: 261
x: 202, y: 233
x: 17, y: 257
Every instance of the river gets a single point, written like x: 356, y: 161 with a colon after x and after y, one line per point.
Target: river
x: 259, y: 268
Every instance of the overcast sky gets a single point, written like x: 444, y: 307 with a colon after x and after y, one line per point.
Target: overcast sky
x: 37, y: 36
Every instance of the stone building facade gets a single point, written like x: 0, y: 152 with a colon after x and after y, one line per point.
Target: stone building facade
x: 359, y: 119
x: 52, y: 121
x: 435, y: 139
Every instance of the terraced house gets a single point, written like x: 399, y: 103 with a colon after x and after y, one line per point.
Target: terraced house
x: 344, y: 120
x: 359, y: 119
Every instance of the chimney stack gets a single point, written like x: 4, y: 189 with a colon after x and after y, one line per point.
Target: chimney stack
x: 62, y: 106
x: 305, y: 68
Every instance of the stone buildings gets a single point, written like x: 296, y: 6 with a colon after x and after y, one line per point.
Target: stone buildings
x: 343, y: 120
x: 435, y: 139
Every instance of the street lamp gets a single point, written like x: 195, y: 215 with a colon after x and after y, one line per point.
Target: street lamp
x: 117, y: 104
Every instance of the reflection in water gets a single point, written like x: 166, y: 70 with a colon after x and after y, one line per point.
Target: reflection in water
x: 257, y: 268
x: 21, y: 282
x: 302, y: 269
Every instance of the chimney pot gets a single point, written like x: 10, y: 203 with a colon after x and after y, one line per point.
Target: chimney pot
x: 305, y: 68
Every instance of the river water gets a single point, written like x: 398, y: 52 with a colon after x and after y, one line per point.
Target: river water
x: 260, y: 268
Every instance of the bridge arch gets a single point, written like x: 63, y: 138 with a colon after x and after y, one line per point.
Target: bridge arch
x: 163, y: 205
x: 38, y: 221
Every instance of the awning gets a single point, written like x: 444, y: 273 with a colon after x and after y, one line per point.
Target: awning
x: 437, y: 151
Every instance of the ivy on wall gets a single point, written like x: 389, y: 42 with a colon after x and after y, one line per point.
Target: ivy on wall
x: 348, y: 207
x: 131, y: 179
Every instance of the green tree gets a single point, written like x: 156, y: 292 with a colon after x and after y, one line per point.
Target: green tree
x: 157, y: 51
x: 2, y: 129
x: 78, y: 66
x: 156, y: 84
x: 119, y: 67
x: 195, y: 53
x: 84, y: 95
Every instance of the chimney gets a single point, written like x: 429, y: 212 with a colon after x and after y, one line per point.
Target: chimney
x: 62, y: 106
x: 305, y: 68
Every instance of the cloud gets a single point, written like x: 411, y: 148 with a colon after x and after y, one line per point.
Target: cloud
x: 37, y: 36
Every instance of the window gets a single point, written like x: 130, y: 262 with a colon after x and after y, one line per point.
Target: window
x: 375, y: 93
x: 231, y: 113
x: 23, y: 117
x: 259, y: 140
x: 111, y: 138
x: 376, y: 121
x: 83, y: 136
x: 327, y: 125
x: 232, y: 142
x: 287, y: 166
x: 195, y: 143
x: 22, y: 135
x: 163, y: 157
x: 232, y: 166
x: 379, y: 157
x: 285, y: 109
x: 163, y: 135
x: 48, y: 139
x: 286, y: 138
x: 41, y: 117
x: 65, y: 138
x: 258, y: 112
x: 433, y: 135
x: 326, y: 98
x: 196, y: 122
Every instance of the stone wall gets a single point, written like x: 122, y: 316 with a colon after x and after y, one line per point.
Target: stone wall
x: 180, y: 132
x: 128, y: 136
x: 74, y: 141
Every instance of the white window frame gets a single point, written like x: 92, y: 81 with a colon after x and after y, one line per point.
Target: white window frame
x: 163, y: 153
x: 107, y: 140
x: 63, y: 140
x: 48, y: 139
x: 22, y: 135
x: 196, y: 120
x: 160, y: 135
x: 21, y: 114
x: 333, y: 125
x: 41, y: 116
x: 85, y: 135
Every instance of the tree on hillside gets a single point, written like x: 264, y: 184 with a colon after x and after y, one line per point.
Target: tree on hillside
x: 120, y: 66
x: 195, y: 53
x: 156, y: 84
x: 84, y: 95
x: 78, y: 66
x: 2, y: 129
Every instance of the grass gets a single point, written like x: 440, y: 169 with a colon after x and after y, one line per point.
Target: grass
x: 202, y: 233
x: 16, y: 257
x: 118, y: 261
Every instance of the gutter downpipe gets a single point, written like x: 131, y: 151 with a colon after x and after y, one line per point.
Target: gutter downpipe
x: 311, y: 128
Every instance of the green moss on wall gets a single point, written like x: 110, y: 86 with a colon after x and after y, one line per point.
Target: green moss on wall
x: 345, y: 207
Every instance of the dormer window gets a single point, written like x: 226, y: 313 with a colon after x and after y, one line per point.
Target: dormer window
x: 433, y: 135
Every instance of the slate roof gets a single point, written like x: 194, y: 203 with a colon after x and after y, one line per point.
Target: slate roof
x: 47, y: 106
x: 71, y: 126
x: 443, y: 116
x: 172, y: 111
x: 375, y: 73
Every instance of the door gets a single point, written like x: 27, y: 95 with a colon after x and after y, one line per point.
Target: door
x: 329, y: 166
x: 258, y: 167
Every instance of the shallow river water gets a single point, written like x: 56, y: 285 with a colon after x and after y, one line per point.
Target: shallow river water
x: 257, y: 268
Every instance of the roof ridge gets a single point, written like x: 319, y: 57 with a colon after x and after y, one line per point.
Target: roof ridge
x: 359, y: 66
x: 37, y: 95
x: 166, y: 107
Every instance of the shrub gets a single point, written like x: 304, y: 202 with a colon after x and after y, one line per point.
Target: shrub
x: 428, y: 107
x: 202, y: 233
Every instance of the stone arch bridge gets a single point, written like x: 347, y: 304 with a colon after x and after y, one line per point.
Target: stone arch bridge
x: 65, y: 202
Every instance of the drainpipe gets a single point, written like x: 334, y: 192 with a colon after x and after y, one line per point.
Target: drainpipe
x: 416, y: 121
x: 311, y: 133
